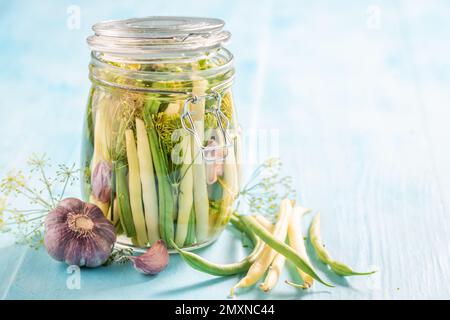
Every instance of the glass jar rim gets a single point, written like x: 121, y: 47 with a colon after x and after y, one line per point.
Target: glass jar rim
x: 157, y: 35
x: 97, y: 76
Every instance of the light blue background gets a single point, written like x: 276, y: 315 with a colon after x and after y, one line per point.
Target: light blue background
x: 359, y: 92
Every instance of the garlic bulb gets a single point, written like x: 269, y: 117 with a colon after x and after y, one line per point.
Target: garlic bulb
x: 154, y: 260
x: 78, y: 234
x: 101, y: 181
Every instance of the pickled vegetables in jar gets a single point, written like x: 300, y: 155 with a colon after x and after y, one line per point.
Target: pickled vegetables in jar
x: 161, y: 142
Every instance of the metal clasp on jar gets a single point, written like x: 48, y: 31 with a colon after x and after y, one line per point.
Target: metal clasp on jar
x: 210, y: 152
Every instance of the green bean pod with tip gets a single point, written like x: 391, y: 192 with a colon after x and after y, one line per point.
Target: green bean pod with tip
x: 338, y: 267
x: 201, y: 264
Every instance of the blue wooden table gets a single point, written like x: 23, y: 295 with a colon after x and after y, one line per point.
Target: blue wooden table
x: 359, y: 94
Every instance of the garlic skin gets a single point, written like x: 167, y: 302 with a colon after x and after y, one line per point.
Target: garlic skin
x: 101, y: 181
x: 79, y: 234
x: 153, y: 261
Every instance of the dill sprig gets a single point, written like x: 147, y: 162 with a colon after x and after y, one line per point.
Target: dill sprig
x: 119, y: 256
x: 266, y: 188
x: 126, y: 108
x: 42, y: 193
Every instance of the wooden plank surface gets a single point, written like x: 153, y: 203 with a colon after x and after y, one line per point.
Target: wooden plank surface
x: 359, y: 94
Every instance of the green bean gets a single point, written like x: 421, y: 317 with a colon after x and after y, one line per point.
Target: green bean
x: 203, y: 265
x: 241, y: 227
x: 281, y: 247
x: 190, y: 238
x: 324, y: 256
x: 87, y: 146
x: 123, y: 199
x: 113, y: 191
x: 166, y: 203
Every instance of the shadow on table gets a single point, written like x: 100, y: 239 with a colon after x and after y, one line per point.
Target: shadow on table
x: 289, y: 296
x: 198, y: 285
x: 234, y: 249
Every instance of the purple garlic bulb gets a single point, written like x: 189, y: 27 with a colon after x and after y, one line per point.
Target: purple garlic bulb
x: 79, y: 234
x: 154, y: 260
x: 101, y: 181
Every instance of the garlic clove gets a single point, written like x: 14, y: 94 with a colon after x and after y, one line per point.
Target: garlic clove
x: 219, y: 167
x: 214, y: 168
x: 153, y: 261
x: 101, y: 181
x: 211, y: 174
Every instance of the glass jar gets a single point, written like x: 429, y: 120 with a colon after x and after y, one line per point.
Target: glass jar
x: 161, y: 143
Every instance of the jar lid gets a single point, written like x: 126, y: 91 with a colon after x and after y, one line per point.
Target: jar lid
x: 157, y: 35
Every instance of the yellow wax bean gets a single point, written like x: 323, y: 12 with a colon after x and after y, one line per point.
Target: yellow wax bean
x: 260, y: 266
x: 296, y: 241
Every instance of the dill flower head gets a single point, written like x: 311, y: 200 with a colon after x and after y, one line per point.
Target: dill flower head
x: 165, y: 126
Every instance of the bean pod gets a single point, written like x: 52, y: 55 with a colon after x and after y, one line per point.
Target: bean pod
x: 324, y: 256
